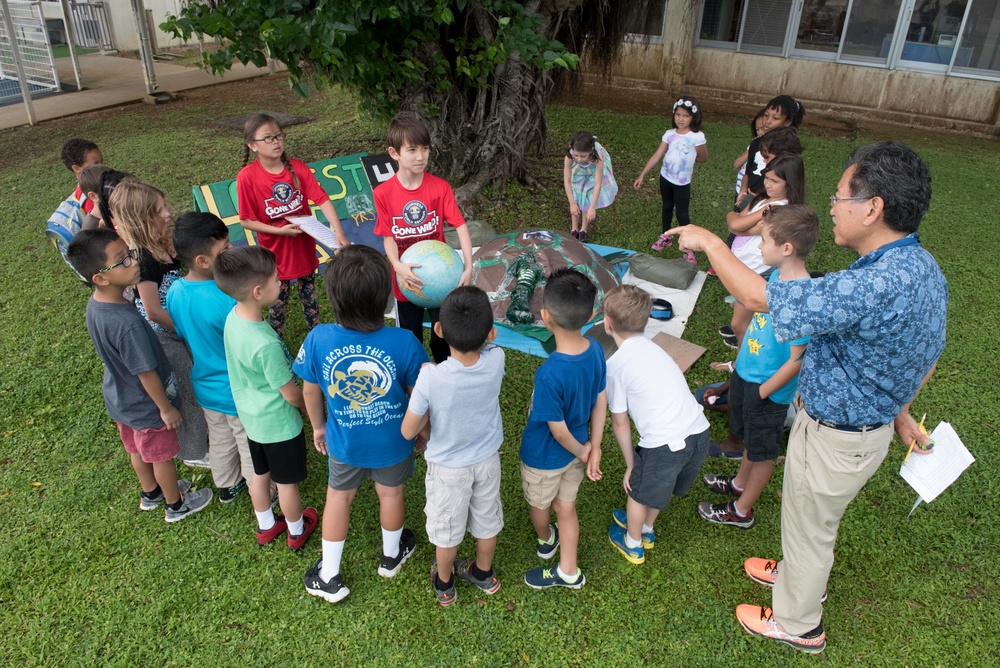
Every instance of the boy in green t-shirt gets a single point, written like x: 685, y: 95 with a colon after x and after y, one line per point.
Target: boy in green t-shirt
x: 267, y: 399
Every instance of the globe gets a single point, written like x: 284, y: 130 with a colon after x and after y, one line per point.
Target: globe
x: 440, y: 269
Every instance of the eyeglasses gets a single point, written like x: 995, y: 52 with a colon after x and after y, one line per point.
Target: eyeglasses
x: 124, y: 262
x: 834, y: 199
x: 270, y: 139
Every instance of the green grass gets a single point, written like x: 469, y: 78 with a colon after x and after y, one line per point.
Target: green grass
x: 86, y: 579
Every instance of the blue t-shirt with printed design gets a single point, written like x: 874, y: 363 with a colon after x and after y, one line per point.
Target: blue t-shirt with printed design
x: 761, y: 355
x: 875, y: 330
x: 566, y: 389
x: 364, y: 378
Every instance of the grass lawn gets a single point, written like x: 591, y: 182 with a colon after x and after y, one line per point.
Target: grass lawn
x: 86, y: 579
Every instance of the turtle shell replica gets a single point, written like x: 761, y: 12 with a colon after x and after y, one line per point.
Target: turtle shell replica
x: 512, y: 270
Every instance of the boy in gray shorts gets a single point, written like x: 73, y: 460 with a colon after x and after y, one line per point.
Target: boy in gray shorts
x: 459, y: 400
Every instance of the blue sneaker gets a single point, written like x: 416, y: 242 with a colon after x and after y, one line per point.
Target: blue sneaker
x: 634, y: 555
x: 548, y: 550
x: 648, y: 537
x: 543, y: 578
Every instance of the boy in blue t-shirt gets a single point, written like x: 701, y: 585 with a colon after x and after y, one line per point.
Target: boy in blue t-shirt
x: 357, y: 375
x: 568, y: 399
x: 199, y: 310
x: 766, y: 376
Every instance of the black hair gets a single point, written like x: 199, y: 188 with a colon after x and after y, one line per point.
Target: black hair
x: 893, y: 172
x: 789, y: 168
x: 690, y: 105
x: 583, y: 142
x: 791, y: 108
x: 358, y: 283
x: 781, y: 140
x: 250, y: 128
x: 195, y: 232
x: 753, y: 123
x: 239, y: 270
x: 466, y: 318
x: 109, y: 181
x: 87, y: 252
x: 569, y: 298
x: 406, y: 127
x: 74, y: 152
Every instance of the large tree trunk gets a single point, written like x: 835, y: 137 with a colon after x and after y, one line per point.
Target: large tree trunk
x: 482, y: 135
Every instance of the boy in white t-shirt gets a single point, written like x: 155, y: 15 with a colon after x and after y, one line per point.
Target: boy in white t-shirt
x: 459, y: 399
x: 646, y: 384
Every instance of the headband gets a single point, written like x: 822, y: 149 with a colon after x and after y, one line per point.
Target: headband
x: 685, y: 103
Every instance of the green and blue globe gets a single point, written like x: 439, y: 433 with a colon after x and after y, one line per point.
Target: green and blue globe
x: 440, y: 269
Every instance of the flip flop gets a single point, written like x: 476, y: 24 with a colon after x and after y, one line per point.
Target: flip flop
x: 715, y: 451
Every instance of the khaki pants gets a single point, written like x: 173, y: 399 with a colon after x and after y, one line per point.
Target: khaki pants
x: 228, y: 454
x: 824, y: 471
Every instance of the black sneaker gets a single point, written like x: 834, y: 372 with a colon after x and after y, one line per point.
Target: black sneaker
x: 463, y: 571
x: 721, y: 484
x: 390, y: 565
x: 726, y: 330
x: 548, y: 550
x: 724, y: 513
x: 229, y: 494
x: 332, y: 591
x: 731, y: 342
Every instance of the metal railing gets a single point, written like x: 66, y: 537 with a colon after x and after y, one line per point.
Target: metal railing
x: 92, y: 26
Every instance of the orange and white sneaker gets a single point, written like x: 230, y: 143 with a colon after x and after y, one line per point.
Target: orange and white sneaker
x: 759, y: 621
x: 765, y: 572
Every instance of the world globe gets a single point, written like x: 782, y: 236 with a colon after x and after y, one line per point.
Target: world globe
x: 440, y: 269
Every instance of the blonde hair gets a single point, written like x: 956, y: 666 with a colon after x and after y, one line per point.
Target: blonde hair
x: 628, y: 307
x: 133, y: 206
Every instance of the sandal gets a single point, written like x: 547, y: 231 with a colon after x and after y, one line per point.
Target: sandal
x: 575, y: 234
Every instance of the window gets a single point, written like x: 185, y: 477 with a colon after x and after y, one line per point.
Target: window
x: 650, y: 24
x: 868, y: 37
x: 765, y: 26
x: 982, y: 40
x: 821, y: 25
x: 720, y: 21
x: 946, y: 36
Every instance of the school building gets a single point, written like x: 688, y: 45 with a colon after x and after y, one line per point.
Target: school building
x: 929, y: 63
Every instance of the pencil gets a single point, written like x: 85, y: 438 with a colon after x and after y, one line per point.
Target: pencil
x: 914, y: 441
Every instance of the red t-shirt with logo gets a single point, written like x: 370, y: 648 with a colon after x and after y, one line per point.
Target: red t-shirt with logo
x: 415, y: 215
x: 270, y: 198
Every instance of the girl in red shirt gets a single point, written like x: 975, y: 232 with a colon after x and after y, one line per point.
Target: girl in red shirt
x: 270, y: 189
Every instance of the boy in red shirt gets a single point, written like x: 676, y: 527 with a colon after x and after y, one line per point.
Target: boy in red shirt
x: 411, y: 207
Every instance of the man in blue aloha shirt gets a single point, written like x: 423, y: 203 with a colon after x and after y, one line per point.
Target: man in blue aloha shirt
x: 876, y: 331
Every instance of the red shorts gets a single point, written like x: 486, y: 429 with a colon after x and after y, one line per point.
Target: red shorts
x: 152, y: 445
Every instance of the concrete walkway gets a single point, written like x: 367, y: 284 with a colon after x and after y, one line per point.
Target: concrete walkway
x: 110, y: 81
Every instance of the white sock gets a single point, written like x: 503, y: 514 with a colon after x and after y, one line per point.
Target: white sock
x: 647, y: 529
x: 265, y: 520
x: 631, y: 543
x: 390, y: 542
x: 736, y: 509
x: 333, y: 550
x: 297, y: 527
x: 567, y: 578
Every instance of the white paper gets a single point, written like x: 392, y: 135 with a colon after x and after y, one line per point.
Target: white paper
x: 317, y: 230
x: 931, y: 474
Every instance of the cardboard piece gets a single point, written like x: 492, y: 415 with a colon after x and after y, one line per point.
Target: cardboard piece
x: 684, y: 353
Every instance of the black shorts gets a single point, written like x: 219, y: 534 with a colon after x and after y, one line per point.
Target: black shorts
x: 660, y: 473
x: 285, y: 460
x: 759, y: 422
